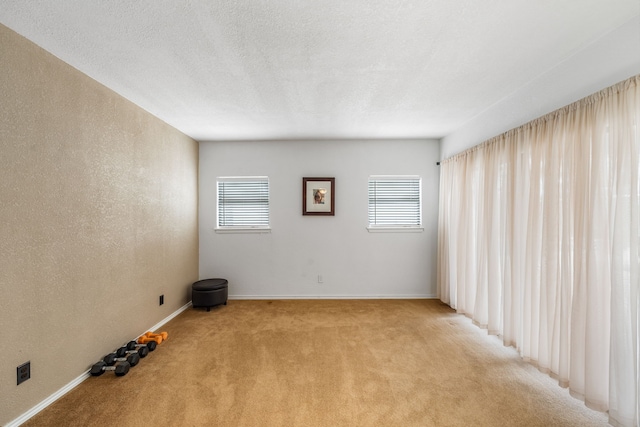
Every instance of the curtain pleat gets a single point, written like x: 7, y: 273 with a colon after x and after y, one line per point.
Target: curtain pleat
x: 538, y: 241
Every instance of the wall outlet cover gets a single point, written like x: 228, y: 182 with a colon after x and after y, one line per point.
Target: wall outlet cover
x: 24, y: 372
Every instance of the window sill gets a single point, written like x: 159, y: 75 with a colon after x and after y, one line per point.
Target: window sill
x: 242, y: 230
x: 395, y: 229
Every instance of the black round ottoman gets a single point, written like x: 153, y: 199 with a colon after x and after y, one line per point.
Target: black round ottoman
x: 209, y: 293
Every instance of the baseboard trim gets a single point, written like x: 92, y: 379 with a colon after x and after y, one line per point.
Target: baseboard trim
x: 70, y: 386
x: 48, y: 401
x: 169, y: 317
x: 334, y: 297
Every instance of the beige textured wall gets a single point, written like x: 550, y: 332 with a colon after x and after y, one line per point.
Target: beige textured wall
x: 98, y: 217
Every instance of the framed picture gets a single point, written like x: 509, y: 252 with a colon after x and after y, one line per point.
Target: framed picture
x: 318, y: 196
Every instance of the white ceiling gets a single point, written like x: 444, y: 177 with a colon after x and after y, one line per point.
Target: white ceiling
x: 294, y: 69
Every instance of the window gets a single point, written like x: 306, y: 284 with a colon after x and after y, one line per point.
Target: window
x: 395, y: 203
x: 243, y: 203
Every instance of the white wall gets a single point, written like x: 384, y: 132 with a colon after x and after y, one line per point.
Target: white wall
x: 353, y: 262
x: 613, y: 58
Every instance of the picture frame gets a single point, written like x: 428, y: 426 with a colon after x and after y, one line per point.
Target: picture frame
x: 318, y: 196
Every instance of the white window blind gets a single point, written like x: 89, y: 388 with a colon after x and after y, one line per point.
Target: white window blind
x: 395, y: 201
x: 243, y: 202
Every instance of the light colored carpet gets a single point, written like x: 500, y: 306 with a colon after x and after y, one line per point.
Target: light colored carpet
x: 324, y: 363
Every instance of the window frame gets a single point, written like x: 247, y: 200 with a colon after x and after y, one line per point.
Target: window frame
x: 245, y: 228
x: 394, y: 228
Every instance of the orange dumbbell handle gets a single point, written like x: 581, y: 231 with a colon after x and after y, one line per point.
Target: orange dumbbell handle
x: 144, y: 339
x: 164, y: 335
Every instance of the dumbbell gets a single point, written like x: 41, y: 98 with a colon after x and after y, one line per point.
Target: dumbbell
x: 150, y: 346
x: 131, y: 349
x: 149, y: 341
x: 164, y: 335
x: 149, y: 336
x: 112, y: 358
x: 101, y: 367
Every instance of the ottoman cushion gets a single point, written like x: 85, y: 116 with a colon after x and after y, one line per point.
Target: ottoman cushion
x: 209, y: 284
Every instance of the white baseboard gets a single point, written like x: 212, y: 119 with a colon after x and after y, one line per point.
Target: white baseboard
x: 285, y: 297
x: 169, y: 317
x: 48, y: 401
x: 67, y: 388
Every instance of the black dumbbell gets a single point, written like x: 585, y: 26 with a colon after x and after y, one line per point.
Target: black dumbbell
x: 112, y: 358
x: 131, y: 345
x: 151, y: 345
x: 123, y: 351
x: 101, y: 367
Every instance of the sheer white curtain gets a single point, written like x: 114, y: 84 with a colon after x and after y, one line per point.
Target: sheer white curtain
x: 539, y: 239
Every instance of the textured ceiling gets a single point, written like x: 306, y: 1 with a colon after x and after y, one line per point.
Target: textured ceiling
x: 287, y: 69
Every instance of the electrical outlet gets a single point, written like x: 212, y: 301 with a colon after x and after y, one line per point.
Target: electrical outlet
x: 320, y: 280
x: 161, y: 299
x: 24, y: 372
